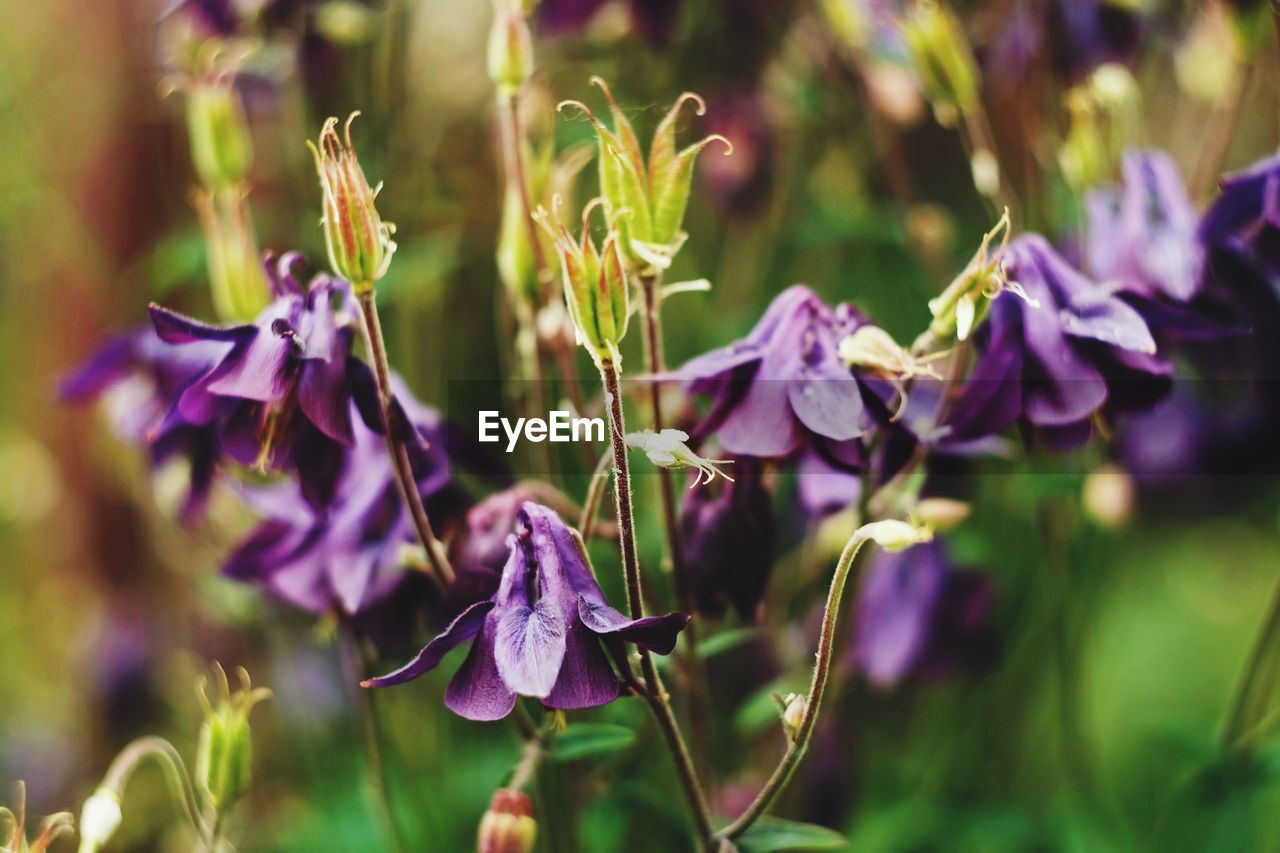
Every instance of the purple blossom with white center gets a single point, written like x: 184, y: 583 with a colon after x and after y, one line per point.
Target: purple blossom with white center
x: 916, y: 615
x: 1142, y: 234
x: 1056, y: 357
x: 783, y: 384
x: 547, y: 632
x: 279, y: 387
x: 139, y: 379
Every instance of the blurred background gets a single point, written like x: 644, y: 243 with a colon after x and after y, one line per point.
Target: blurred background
x: 1085, y: 717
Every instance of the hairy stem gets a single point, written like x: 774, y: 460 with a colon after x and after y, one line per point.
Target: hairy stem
x: 804, y: 733
x: 438, y: 563
x: 655, y: 694
x: 163, y: 753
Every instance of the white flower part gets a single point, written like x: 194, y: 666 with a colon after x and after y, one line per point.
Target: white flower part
x: 99, y: 819
x: 893, y: 535
x: 667, y: 449
x: 873, y: 350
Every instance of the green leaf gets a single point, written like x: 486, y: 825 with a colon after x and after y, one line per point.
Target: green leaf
x: 724, y: 641
x: 588, y: 740
x: 772, y: 835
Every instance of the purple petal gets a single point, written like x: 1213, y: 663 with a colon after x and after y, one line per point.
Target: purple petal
x: 175, y: 328
x: 1103, y: 317
x: 762, y: 424
x: 530, y: 647
x: 894, y: 611
x: 461, y: 629
x: 586, y: 679
x: 826, y: 400
x: 656, y: 633
x: 477, y: 691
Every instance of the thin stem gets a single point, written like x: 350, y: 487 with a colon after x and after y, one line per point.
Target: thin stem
x: 595, y: 494
x: 655, y: 694
x: 695, y: 680
x: 175, y: 773
x: 804, y: 733
x: 440, y: 569
x: 371, y: 732
x: 1222, y: 129
x: 1239, y: 726
x: 513, y: 159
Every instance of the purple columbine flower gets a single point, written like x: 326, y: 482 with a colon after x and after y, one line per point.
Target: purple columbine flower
x: 354, y: 553
x: 139, y: 378
x: 1058, y: 356
x: 784, y: 383
x: 279, y: 387
x: 730, y: 535
x: 916, y: 615
x: 1242, y: 228
x: 545, y: 633
x: 1142, y: 234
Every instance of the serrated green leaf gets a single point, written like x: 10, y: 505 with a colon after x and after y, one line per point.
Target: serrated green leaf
x: 589, y: 740
x: 774, y: 835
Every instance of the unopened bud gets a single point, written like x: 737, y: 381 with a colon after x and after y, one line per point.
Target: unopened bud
x: 359, y: 242
x: 99, y: 820
x: 224, y: 754
x: 221, y: 147
x: 793, y: 714
x: 1083, y: 155
x: 510, y: 48
x: 943, y: 59
x: 1108, y: 496
x: 893, y: 535
x: 508, y: 826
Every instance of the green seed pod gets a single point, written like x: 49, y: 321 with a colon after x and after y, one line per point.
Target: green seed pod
x: 221, y: 146
x: 510, y: 48
x: 224, y: 754
x: 943, y: 59
x: 359, y: 242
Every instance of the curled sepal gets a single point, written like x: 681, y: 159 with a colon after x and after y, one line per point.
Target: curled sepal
x: 595, y: 283
x: 662, y: 152
x: 671, y: 192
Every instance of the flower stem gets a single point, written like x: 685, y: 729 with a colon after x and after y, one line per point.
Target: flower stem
x: 175, y: 773
x: 655, y: 693
x: 1222, y: 129
x: 695, y: 676
x: 595, y: 494
x: 1261, y: 675
x: 440, y: 569
x: 804, y: 733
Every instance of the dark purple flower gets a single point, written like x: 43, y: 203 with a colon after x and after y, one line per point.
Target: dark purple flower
x: 281, y: 386
x: 1058, y: 356
x: 1143, y: 233
x: 545, y: 633
x: 730, y: 534
x: 1077, y: 36
x: 1245, y: 221
x: 916, y: 615
x: 562, y: 16
x: 784, y: 383
x: 354, y: 553
x: 139, y: 378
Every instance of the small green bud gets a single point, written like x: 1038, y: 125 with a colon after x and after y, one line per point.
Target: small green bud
x: 221, y: 146
x: 893, y: 535
x: 1083, y: 155
x: 99, y: 819
x: 359, y: 242
x: 794, y: 708
x: 224, y: 754
x: 941, y: 514
x: 595, y: 285
x: 510, y: 48
x: 648, y: 199
x: 508, y: 826
x: 943, y: 59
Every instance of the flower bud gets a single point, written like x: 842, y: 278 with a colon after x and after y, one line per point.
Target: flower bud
x: 508, y: 826
x: 595, y: 285
x: 893, y: 535
x: 359, y: 242
x: 1083, y: 155
x: 221, y: 147
x: 99, y: 819
x: 943, y: 59
x: 1108, y: 496
x: 224, y: 754
x: 510, y: 48
x: 941, y: 514
x: 796, y: 706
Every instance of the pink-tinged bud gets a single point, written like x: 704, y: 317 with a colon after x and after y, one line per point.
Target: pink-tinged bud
x: 359, y: 242
x: 508, y: 826
x: 793, y: 714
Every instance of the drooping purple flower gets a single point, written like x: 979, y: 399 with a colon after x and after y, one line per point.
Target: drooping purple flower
x: 916, y: 615
x: 139, y: 378
x: 547, y: 632
x: 1242, y: 232
x: 1055, y: 358
x: 784, y: 383
x: 280, y: 387
x: 730, y: 534
x: 355, y: 552
x: 1142, y: 234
